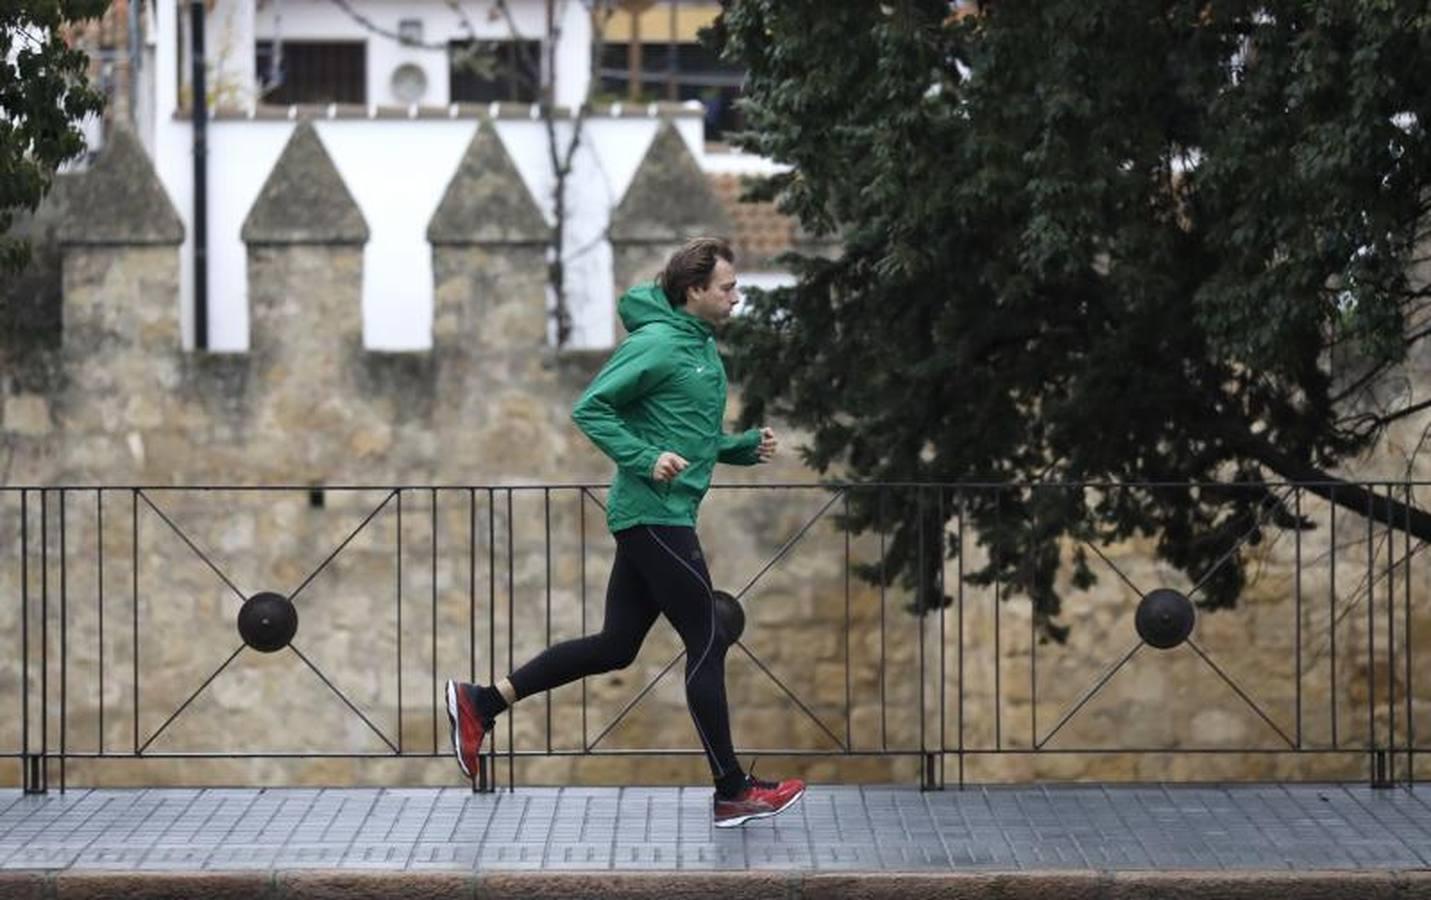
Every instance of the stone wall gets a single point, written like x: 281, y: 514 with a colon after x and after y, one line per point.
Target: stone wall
x: 440, y: 578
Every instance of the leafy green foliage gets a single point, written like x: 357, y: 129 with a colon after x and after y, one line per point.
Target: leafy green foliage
x: 44, y: 93
x: 1114, y: 242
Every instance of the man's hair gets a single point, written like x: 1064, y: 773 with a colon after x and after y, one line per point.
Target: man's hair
x: 691, y: 266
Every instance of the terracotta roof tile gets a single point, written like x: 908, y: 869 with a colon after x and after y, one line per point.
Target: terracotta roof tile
x: 761, y: 231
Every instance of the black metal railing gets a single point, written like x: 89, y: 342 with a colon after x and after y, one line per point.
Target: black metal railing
x: 121, y: 603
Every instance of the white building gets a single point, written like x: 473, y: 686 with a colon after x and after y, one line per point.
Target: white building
x: 395, y: 109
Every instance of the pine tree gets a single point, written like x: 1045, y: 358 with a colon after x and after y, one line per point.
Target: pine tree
x: 1112, y: 242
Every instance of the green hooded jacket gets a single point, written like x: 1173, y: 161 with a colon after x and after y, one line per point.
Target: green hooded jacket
x: 663, y: 389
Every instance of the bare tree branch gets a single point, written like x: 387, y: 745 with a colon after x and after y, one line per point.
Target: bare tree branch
x: 1366, y: 379
x: 1382, y: 421
x: 562, y: 158
x: 1416, y: 451
x: 1416, y: 336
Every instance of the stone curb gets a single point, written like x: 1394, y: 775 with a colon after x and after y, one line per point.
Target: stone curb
x: 777, y: 885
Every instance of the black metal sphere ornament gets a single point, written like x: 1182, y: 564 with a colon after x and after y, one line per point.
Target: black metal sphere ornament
x: 1165, y: 618
x: 730, y: 617
x: 267, y: 621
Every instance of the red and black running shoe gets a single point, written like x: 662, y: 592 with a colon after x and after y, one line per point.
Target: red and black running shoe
x: 468, y: 729
x: 759, y: 800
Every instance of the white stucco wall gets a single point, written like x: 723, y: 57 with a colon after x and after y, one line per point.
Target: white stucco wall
x: 397, y: 170
x: 296, y: 20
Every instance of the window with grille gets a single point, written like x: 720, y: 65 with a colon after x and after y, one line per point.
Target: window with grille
x: 494, y: 70
x: 314, y: 71
x: 679, y: 71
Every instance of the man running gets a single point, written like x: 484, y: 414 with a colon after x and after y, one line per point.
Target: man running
x: 657, y: 409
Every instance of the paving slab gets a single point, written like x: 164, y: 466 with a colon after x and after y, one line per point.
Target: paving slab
x: 1139, y: 832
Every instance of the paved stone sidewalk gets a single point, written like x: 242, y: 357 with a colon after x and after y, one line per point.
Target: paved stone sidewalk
x: 841, y: 829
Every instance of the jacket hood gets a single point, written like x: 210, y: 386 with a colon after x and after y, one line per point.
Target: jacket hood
x: 647, y: 303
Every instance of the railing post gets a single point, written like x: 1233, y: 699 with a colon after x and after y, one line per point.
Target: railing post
x: 929, y: 780
x: 36, y: 773
x: 32, y: 766
x: 1379, y: 768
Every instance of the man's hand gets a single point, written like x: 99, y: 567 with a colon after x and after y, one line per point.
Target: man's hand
x: 768, y: 445
x: 668, y: 466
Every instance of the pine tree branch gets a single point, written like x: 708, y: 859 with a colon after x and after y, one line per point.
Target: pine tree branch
x: 1349, y: 495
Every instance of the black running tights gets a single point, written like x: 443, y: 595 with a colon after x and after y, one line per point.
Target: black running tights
x: 659, y: 570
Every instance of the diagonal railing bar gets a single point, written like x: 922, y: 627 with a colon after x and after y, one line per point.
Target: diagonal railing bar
x: 1363, y: 584
x: 331, y: 556
x: 784, y: 549
x: 791, y: 694
x: 780, y: 554
x: 1245, y: 699
x: 677, y: 658
x: 1088, y: 695
x: 341, y: 696
x: 586, y: 492
x: 1269, y: 503
x: 635, y: 700
x: 192, y: 546
x: 1114, y: 566
x: 185, y: 705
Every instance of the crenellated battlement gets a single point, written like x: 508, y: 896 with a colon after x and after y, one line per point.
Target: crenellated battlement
x: 309, y: 399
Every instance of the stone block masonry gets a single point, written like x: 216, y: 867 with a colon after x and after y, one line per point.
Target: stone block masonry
x: 113, y: 399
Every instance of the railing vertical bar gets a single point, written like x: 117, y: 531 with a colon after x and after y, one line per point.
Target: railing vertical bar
x: 99, y: 604
x: 471, y: 584
x: 943, y: 639
x: 25, y: 637
x: 434, y: 622
x: 959, y: 574
x: 491, y: 622
x: 581, y: 565
x: 1297, y: 592
x: 883, y: 662
x: 849, y: 695
x: 398, y: 586
x: 64, y: 642
x: 1406, y: 598
x: 45, y: 636
x: 1371, y: 633
x: 1033, y: 644
x: 134, y: 575
x: 998, y: 597
x: 547, y: 549
x: 511, y: 637
x: 472, y: 602
x: 921, y: 603
x: 1332, y: 610
x: 1390, y: 636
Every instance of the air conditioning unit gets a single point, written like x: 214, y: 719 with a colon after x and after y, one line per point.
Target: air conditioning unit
x: 408, y: 83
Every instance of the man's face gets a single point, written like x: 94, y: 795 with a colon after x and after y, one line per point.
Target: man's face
x: 718, y: 298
